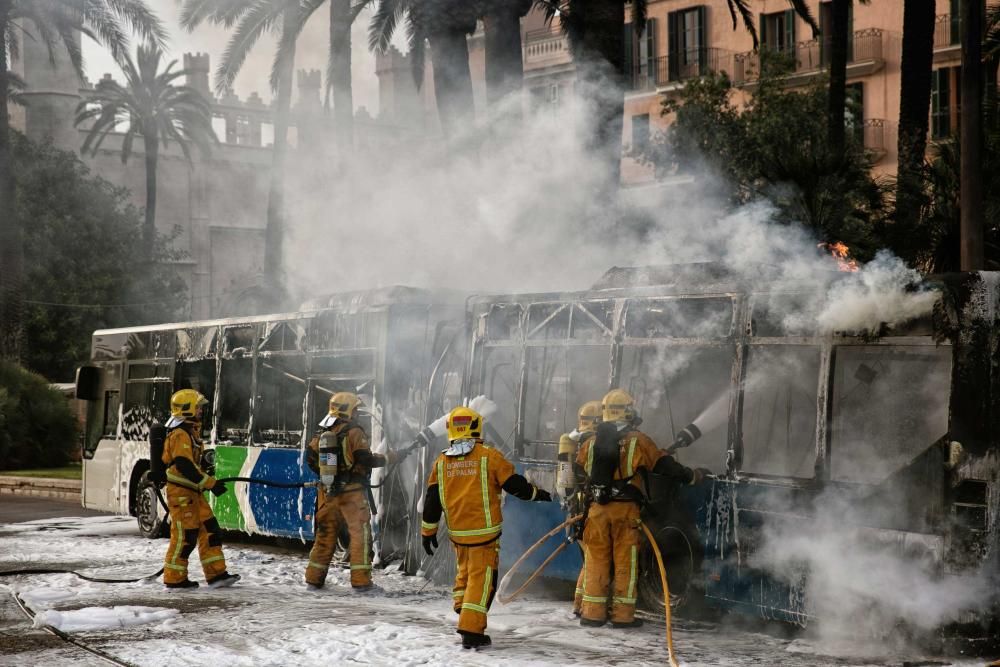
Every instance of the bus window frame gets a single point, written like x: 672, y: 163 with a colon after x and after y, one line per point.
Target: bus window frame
x: 129, y: 381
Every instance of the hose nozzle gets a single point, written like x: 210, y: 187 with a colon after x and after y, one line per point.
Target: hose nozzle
x: 688, y: 435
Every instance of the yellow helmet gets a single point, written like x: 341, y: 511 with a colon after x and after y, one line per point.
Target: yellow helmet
x: 588, y: 415
x: 464, y: 423
x: 618, y: 406
x: 343, y: 404
x: 184, y: 404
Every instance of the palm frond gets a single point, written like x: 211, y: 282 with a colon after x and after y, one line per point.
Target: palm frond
x: 259, y: 19
x: 742, y: 8
x: 802, y: 9
x: 385, y: 21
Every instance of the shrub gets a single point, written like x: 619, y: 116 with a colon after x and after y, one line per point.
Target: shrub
x: 37, y: 428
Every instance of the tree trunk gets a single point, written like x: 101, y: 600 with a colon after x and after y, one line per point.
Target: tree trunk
x: 452, y: 78
x: 840, y: 30
x: 152, y: 148
x: 504, y: 66
x: 11, y: 235
x: 914, y: 111
x: 275, y: 230
x: 597, y: 40
x: 971, y: 135
x: 340, y: 74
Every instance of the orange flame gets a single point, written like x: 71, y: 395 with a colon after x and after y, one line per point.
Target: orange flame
x: 840, y: 252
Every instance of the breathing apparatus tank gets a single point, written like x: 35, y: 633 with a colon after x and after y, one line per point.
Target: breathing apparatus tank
x: 607, y: 458
x: 329, y: 449
x: 157, y: 437
x: 565, y: 477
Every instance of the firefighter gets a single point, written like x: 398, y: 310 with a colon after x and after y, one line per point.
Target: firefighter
x: 191, y: 519
x: 345, y: 502
x: 612, y: 460
x: 465, y: 482
x: 588, y: 417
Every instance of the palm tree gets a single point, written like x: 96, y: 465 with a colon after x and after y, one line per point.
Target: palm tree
x: 55, y: 23
x: 249, y: 20
x: 914, y: 111
x: 445, y: 24
x: 504, y: 66
x: 157, y: 110
x: 971, y: 135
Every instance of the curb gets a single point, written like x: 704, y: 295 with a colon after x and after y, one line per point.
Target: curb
x: 44, y: 487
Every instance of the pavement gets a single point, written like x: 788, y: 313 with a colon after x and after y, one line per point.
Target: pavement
x: 65, y: 489
x: 15, y: 507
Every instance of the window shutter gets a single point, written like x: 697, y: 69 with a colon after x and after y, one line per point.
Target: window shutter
x: 763, y: 30
x: 790, y: 31
x: 702, y: 42
x: 673, y: 45
x: 650, y: 40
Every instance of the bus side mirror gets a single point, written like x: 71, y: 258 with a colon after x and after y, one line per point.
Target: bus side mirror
x: 88, y: 383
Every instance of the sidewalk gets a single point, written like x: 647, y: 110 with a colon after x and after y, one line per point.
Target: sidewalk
x: 65, y: 489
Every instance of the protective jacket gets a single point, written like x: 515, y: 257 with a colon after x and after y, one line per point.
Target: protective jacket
x: 355, y: 460
x: 192, y: 523
x: 636, y: 451
x: 182, y: 451
x: 467, y: 488
x: 347, y: 507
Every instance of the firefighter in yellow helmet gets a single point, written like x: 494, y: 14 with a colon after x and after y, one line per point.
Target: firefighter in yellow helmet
x: 612, y: 459
x: 465, y: 483
x: 588, y: 416
x: 343, y: 499
x: 191, y: 520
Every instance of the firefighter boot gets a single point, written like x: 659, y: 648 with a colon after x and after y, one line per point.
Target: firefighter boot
x: 474, y: 640
x: 187, y: 583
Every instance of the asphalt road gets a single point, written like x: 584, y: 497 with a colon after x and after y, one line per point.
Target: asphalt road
x: 15, y: 507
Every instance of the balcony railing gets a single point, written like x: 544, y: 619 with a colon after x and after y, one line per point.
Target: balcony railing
x: 813, y: 55
x: 947, y: 31
x: 873, y: 135
x: 545, y: 44
x: 691, y: 64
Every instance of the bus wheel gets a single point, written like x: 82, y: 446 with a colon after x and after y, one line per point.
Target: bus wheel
x: 151, y: 516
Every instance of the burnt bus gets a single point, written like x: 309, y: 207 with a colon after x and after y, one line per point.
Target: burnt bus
x: 268, y: 380
x: 890, y: 436
x: 892, y: 432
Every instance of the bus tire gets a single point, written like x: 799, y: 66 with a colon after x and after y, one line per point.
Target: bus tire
x: 150, y: 515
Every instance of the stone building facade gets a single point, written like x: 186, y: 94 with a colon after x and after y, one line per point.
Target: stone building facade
x: 215, y: 206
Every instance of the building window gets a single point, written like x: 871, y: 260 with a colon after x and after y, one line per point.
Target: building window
x: 954, y: 22
x: 640, y: 132
x: 941, y: 103
x: 777, y: 31
x: 641, y: 63
x: 686, y: 42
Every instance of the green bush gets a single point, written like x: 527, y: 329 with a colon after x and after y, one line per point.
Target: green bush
x: 37, y: 428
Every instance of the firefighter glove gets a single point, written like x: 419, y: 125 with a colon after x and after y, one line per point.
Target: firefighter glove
x: 430, y: 541
x: 218, y: 488
x: 542, y: 496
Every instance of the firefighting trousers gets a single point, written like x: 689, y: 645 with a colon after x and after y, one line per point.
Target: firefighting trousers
x: 349, y: 508
x: 475, y: 584
x: 610, y: 567
x: 191, y: 524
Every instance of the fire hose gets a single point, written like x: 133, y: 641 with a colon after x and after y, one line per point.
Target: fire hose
x: 505, y: 599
